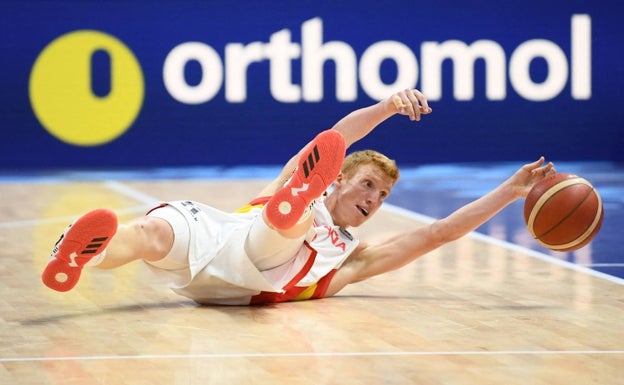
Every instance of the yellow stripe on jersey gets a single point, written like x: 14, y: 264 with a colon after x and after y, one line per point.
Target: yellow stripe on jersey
x: 247, y: 208
x: 306, y: 294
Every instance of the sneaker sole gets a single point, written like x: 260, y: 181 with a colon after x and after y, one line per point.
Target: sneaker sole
x: 318, y: 167
x: 86, y: 238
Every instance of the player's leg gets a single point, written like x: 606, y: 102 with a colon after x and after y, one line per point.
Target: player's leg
x: 318, y: 167
x: 148, y: 238
x: 96, y: 239
x: 268, y: 248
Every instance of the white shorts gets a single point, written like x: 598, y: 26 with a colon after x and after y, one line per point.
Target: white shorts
x: 212, y: 245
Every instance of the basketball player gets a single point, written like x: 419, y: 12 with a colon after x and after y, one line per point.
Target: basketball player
x: 292, y: 242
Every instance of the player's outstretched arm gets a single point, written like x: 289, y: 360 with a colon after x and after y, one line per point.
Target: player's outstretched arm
x: 401, y: 249
x: 361, y: 122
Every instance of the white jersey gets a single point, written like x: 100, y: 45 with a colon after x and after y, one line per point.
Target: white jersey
x: 222, y: 273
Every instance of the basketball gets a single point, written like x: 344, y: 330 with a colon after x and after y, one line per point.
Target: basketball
x: 563, y: 212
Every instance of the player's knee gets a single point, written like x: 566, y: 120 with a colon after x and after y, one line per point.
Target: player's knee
x: 157, y: 237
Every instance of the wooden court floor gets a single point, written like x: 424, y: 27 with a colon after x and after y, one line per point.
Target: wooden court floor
x: 472, y: 312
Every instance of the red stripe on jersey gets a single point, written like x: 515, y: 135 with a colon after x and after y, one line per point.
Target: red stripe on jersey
x: 290, y: 290
x: 323, y: 284
x: 259, y: 201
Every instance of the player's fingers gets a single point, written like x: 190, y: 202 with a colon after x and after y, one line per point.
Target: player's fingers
x: 419, y: 100
x: 410, y: 104
x: 551, y: 169
x: 537, y: 163
x: 533, y: 168
x: 403, y: 107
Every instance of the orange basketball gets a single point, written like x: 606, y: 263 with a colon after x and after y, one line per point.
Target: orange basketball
x: 563, y: 212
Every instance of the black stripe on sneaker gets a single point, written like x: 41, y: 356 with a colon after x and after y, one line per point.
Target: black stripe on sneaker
x: 92, y: 247
x: 308, y: 164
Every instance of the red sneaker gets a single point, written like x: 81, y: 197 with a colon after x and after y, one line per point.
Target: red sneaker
x: 87, y: 237
x: 318, y: 167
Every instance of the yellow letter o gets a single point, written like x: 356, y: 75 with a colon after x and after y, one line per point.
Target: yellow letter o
x: 61, y: 94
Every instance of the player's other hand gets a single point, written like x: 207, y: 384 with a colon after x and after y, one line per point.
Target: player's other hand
x: 411, y: 103
x: 530, y: 174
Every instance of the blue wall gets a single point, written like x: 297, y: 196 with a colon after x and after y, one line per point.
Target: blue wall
x: 177, y: 83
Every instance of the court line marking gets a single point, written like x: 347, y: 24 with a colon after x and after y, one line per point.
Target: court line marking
x: 146, y: 200
x: 603, y: 264
x: 315, y: 354
x: 67, y: 219
x: 132, y: 193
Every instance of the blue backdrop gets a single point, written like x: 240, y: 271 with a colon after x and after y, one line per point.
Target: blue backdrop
x: 177, y: 83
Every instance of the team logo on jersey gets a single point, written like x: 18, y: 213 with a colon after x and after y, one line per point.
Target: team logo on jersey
x: 335, y: 238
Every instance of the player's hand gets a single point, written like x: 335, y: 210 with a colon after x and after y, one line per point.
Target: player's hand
x: 529, y: 175
x: 411, y: 103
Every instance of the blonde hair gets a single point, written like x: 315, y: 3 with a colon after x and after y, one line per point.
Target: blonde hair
x: 358, y: 158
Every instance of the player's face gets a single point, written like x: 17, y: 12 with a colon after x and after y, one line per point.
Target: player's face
x: 355, y: 199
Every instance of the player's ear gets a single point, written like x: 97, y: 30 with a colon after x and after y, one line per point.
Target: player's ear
x: 338, y: 179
